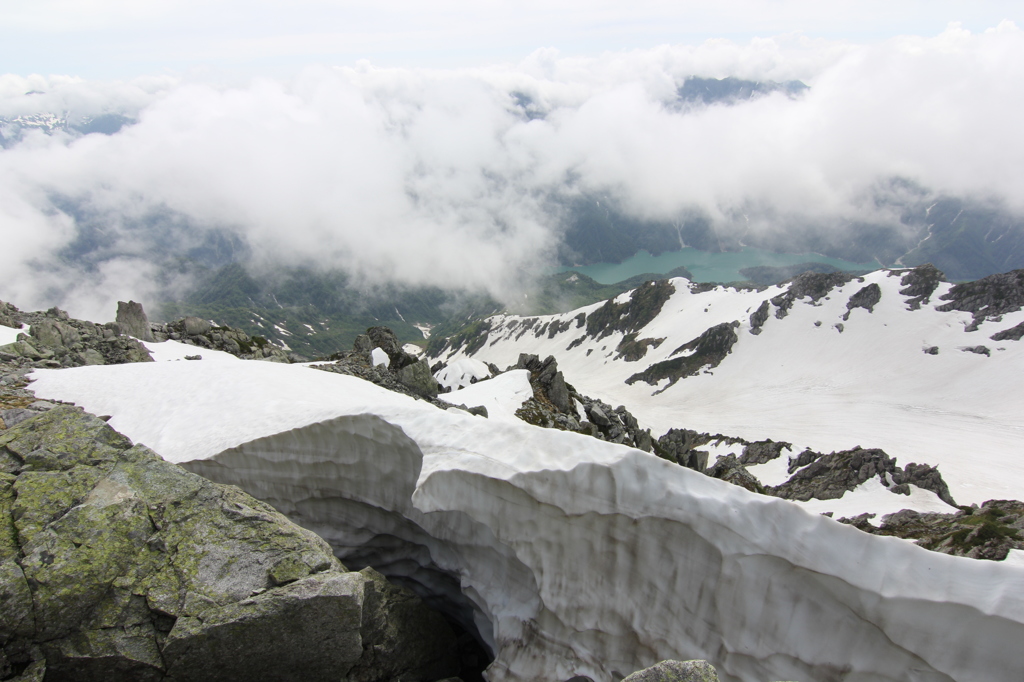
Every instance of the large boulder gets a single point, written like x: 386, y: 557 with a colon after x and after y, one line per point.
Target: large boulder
x: 417, y: 378
x: 118, y: 565
x: 133, y: 320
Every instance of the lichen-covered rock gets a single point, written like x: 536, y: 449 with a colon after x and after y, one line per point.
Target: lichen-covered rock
x: 676, y: 671
x: 118, y: 565
x: 986, y: 532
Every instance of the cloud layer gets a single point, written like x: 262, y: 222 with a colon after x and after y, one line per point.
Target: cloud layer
x: 444, y: 178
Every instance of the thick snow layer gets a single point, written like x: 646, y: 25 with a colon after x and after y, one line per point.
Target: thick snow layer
x: 804, y: 381
x: 502, y: 395
x: 573, y: 556
x: 9, y: 334
x: 175, y: 350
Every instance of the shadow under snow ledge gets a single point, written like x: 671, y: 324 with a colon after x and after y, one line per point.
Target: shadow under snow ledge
x: 569, y: 555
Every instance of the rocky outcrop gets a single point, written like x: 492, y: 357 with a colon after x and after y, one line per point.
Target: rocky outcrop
x: 729, y: 469
x: 402, y: 374
x: 758, y: 318
x: 986, y: 532
x: 554, y: 405
x: 200, y: 333
x: 644, y: 304
x: 814, y: 285
x: 54, y: 339
x: 986, y: 298
x: 133, y: 320
x: 920, y: 283
x: 676, y: 671
x: 702, y: 353
x: 117, y: 565
x: 829, y: 477
x: 1014, y: 333
x: 867, y: 298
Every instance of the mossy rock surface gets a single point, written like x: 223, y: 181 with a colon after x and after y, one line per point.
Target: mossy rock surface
x: 118, y: 565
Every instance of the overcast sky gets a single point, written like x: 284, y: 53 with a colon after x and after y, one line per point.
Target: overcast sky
x: 386, y: 139
x: 104, y: 39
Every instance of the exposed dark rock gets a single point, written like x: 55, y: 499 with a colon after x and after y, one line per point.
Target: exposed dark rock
x: 815, y: 285
x: 385, y: 339
x: 1014, y: 333
x: 866, y: 298
x: 926, y: 477
x: 986, y: 298
x: 632, y: 349
x: 931, y: 350
x: 553, y: 405
x: 920, y: 283
x: 758, y: 318
x: 828, y: 477
x: 762, y: 451
x: 133, y: 320
x: 680, y: 446
x: 803, y: 459
x: 118, y: 565
x: 643, y: 306
x: 980, y: 350
x: 730, y: 470
x: 706, y: 351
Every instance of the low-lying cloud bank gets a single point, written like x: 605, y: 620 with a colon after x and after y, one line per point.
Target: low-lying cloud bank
x: 450, y: 178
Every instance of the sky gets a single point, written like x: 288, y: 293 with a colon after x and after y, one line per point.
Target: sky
x: 388, y: 139
x: 111, y: 39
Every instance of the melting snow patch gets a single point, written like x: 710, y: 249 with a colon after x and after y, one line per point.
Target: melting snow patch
x: 175, y: 350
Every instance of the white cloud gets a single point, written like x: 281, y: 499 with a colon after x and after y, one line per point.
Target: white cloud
x: 432, y: 177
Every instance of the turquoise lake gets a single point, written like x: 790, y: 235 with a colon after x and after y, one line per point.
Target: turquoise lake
x: 708, y: 267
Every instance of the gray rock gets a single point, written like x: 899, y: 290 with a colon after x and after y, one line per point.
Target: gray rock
x: 16, y: 416
x: 417, y: 378
x: 676, y: 671
x: 196, y: 326
x: 866, y: 298
x: 597, y: 416
x: 91, y: 356
x: 758, y: 318
x: 132, y: 320
x: 54, y: 334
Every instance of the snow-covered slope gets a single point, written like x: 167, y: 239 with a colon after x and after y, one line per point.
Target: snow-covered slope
x: 572, y: 556
x: 823, y: 375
